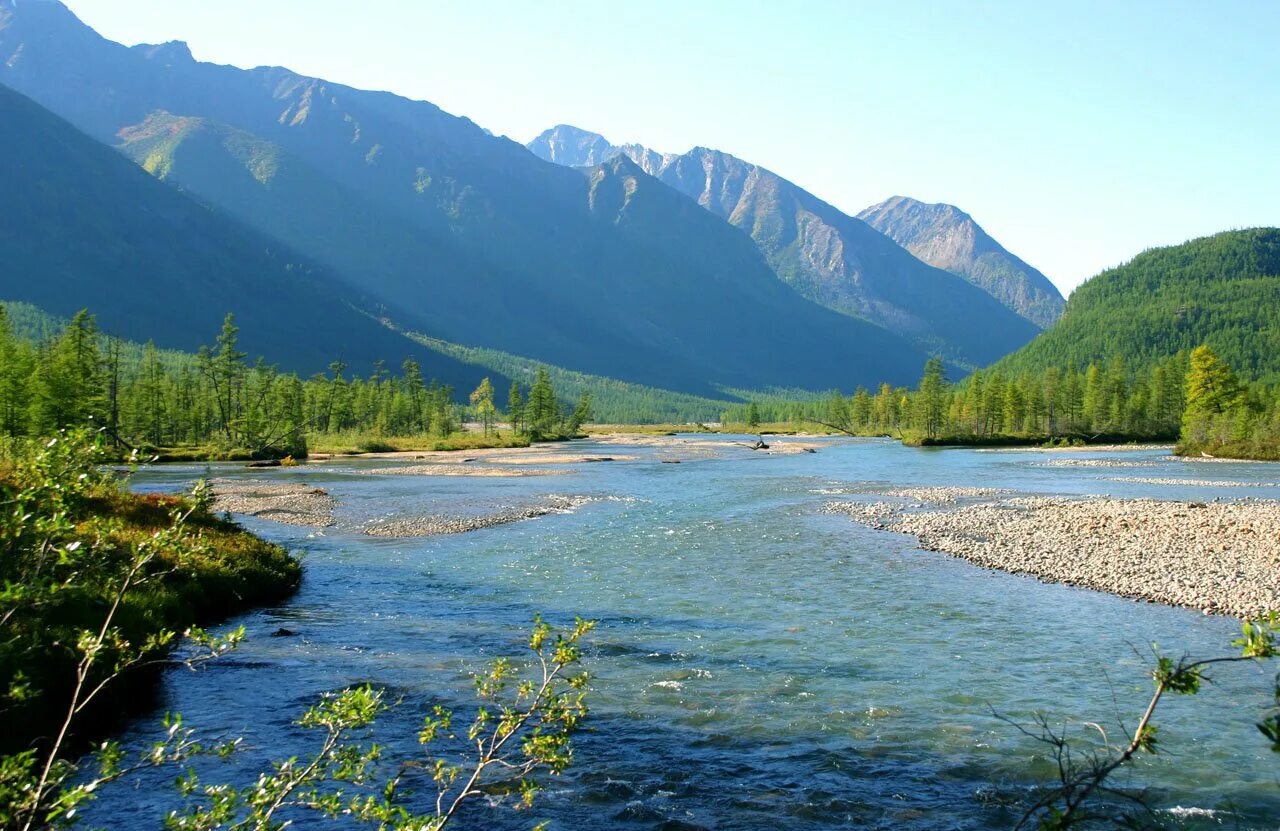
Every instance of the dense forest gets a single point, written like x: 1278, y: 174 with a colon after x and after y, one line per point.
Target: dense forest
x: 1126, y: 362
x: 1195, y: 398
x: 145, y: 398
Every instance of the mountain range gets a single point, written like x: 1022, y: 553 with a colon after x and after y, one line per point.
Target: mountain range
x: 828, y: 256
x: 426, y: 220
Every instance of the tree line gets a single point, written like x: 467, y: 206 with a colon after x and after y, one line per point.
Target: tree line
x: 149, y: 398
x: 1195, y: 398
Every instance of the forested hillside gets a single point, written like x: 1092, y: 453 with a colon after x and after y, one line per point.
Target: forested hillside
x: 1222, y: 290
x: 222, y: 403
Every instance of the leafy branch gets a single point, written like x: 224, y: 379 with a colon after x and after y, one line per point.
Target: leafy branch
x: 1083, y: 776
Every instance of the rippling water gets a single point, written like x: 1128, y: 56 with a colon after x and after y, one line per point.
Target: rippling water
x: 758, y: 665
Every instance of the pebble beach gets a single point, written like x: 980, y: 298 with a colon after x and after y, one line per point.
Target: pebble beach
x: 1220, y: 557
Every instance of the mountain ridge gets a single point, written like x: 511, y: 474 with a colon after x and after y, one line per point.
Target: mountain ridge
x: 830, y: 257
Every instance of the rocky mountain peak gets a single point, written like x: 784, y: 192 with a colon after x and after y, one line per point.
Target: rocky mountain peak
x: 170, y: 54
x: 946, y: 237
x: 571, y: 146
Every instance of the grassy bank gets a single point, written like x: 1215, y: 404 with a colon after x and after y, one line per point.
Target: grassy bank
x: 915, y: 439
x: 341, y: 444
x: 77, y: 543
x: 346, y: 443
x: 1243, y: 450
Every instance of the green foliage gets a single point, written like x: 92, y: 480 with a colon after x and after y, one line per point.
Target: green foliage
x: 930, y: 399
x: 1212, y: 386
x: 1225, y: 418
x: 70, y: 538
x: 1080, y: 797
x: 522, y: 728
x: 152, y: 400
x: 96, y: 585
x: 1110, y: 402
x: 482, y: 404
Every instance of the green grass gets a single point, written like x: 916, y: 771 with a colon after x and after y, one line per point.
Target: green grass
x: 779, y: 428
x: 353, y: 443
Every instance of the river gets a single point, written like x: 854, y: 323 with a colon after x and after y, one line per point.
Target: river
x: 758, y: 664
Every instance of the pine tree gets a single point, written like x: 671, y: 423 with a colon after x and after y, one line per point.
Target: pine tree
x: 224, y: 370
x: 149, y: 396
x: 16, y: 361
x: 581, y: 413
x: 543, y: 411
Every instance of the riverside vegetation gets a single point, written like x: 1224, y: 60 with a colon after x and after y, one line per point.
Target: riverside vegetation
x: 216, y: 405
x: 521, y: 730
x: 98, y: 584
x: 1195, y: 399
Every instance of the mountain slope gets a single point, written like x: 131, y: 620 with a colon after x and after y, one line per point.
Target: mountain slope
x: 828, y: 256
x: 1220, y: 290
x: 947, y: 237
x: 467, y: 237
x: 89, y: 229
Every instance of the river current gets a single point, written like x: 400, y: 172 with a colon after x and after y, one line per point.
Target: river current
x: 758, y: 664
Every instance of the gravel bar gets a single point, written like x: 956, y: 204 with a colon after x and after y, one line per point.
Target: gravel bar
x: 293, y: 503
x: 435, y: 526
x: 1219, y: 557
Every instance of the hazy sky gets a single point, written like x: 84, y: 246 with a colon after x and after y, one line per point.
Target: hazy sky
x: 1077, y: 134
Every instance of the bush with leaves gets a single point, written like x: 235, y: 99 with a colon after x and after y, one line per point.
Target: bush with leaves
x: 95, y: 585
x: 522, y: 727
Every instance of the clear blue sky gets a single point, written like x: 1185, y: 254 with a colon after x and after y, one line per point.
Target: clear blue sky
x: 1078, y: 134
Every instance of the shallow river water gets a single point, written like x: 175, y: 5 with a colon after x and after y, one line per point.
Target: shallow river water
x: 758, y: 664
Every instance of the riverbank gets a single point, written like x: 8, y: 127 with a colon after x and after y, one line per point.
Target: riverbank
x: 200, y: 572
x: 1219, y: 557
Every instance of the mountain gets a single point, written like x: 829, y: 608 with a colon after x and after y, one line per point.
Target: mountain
x: 566, y: 145
x: 831, y: 258
x: 87, y: 228
x: 947, y: 237
x: 1220, y: 290
x: 446, y: 229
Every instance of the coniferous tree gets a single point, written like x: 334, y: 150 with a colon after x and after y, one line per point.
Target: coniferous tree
x: 515, y: 407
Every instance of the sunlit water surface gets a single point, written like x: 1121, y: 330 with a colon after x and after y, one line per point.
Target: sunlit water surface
x: 758, y: 664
